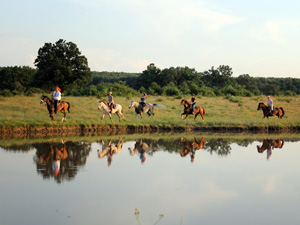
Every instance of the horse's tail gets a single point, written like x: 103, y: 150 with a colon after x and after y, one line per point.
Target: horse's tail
x: 159, y: 106
x: 282, y: 112
x: 68, y: 106
x: 203, y: 111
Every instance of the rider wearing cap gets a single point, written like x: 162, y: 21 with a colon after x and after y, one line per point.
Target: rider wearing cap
x: 56, y: 97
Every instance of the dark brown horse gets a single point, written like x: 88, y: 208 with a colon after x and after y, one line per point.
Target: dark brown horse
x: 188, y: 109
x: 63, y: 107
x: 266, y: 111
x: 267, y: 143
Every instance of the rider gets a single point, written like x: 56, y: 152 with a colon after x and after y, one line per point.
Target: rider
x: 143, y: 100
x: 270, y: 105
x: 110, y: 101
x: 56, y: 97
x: 193, y: 102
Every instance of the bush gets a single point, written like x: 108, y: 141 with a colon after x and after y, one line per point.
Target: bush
x: 6, y: 93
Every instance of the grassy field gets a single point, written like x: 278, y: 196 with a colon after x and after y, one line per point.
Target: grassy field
x: 220, y: 111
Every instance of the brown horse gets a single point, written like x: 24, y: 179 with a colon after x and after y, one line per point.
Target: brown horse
x: 63, y: 107
x: 188, y: 110
x: 266, y: 111
x: 268, y: 143
x: 190, y: 148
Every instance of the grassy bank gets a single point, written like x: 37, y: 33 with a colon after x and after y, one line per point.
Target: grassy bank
x: 227, y: 112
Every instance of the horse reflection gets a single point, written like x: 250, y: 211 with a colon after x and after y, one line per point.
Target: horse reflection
x: 269, y: 145
x: 189, y: 148
x: 55, y: 156
x: 109, y: 150
x: 141, y: 148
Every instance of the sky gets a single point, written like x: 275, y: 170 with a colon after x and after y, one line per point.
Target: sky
x: 258, y: 37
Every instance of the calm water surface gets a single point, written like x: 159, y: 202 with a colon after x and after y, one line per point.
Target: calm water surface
x: 154, y: 180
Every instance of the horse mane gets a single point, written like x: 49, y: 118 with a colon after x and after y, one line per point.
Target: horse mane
x: 186, y: 101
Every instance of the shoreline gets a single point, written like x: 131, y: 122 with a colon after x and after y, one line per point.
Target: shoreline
x: 82, y: 130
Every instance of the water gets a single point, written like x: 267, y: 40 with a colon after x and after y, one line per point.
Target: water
x: 162, y: 180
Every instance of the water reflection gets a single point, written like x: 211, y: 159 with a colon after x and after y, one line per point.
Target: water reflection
x: 189, y: 147
x: 141, y: 147
x: 60, y: 160
x: 109, y: 150
x: 269, y: 145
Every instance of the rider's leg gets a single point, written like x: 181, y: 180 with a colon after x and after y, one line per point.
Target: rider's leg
x: 55, y: 106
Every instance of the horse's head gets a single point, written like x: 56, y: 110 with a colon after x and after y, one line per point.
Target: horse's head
x: 130, y: 104
x: 260, y: 106
x: 43, y: 99
x: 101, y: 104
x: 183, y: 102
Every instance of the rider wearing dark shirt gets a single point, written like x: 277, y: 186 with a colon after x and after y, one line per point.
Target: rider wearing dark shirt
x: 193, y: 102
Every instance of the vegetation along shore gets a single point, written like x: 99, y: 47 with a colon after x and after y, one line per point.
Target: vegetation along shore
x: 23, y: 114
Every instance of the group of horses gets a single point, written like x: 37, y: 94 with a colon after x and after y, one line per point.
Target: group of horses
x: 149, y: 109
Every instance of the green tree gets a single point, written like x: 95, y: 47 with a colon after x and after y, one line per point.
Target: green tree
x: 220, y: 77
x: 16, y: 78
x: 61, y: 64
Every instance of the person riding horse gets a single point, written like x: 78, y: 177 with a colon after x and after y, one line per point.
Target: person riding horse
x: 56, y: 97
x: 193, y: 102
x: 143, y: 101
x: 110, y: 101
x: 270, y: 105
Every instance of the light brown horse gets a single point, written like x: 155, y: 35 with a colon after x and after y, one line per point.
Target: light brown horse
x: 62, y: 107
x: 267, y: 143
x: 188, y: 110
x: 266, y: 111
x: 109, y: 150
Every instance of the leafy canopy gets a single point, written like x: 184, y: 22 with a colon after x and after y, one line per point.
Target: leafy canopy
x: 61, y: 64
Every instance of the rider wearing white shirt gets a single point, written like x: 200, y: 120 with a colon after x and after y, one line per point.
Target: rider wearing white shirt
x: 57, y: 97
x: 270, y: 105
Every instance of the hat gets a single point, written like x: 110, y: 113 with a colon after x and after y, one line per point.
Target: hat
x: 58, y: 88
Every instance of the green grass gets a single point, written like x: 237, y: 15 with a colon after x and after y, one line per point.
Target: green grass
x: 242, y: 111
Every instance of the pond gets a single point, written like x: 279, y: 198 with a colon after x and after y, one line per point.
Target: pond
x: 151, y: 179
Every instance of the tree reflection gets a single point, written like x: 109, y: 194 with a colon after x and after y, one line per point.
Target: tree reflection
x: 60, y: 161
x: 269, y: 145
x: 220, y: 146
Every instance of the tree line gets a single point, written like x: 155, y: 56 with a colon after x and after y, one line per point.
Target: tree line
x: 61, y: 64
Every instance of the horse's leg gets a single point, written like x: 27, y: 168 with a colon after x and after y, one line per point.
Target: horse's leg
x: 119, y: 116
x: 182, y: 115
x: 196, y: 116
x: 110, y: 117
x: 201, y: 114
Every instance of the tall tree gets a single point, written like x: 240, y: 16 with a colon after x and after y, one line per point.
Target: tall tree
x: 61, y: 64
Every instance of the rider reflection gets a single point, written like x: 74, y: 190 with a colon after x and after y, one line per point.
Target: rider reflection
x: 189, y: 148
x: 109, y: 150
x: 141, y: 148
x: 269, y: 145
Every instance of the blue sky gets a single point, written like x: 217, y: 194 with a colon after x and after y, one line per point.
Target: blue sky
x: 259, y: 38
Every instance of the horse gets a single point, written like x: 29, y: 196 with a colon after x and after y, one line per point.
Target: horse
x: 266, y: 111
x: 188, y: 110
x: 106, y: 110
x: 109, y: 150
x: 267, y: 143
x: 190, y: 148
x: 139, y: 109
x: 140, y: 148
x: 62, y: 107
